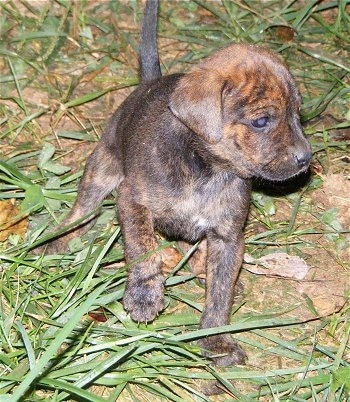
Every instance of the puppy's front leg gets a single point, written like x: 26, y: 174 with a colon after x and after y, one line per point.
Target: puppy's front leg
x: 144, y: 293
x: 223, y: 266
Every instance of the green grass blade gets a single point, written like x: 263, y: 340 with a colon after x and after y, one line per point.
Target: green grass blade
x: 51, y: 351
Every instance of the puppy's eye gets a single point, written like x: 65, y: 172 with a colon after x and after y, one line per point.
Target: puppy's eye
x: 261, y: 122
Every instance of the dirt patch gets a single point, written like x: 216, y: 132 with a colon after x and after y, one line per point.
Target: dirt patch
x: 334, y: 194
x: 324, y: 213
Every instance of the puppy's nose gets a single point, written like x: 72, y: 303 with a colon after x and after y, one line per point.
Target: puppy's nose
x: 302, y: 158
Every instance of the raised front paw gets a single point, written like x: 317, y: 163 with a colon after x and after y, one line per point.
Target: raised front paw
x: 143, y: 300
x: 223, y: 350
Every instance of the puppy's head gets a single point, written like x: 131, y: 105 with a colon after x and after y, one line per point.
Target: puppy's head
x: 244, y: 103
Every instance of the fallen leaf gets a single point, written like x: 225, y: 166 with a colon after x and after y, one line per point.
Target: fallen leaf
x: 98, y: 315
x: 284, y: 33
x: 11, y: 220
x: 281, y: 265
x: 170, y: 257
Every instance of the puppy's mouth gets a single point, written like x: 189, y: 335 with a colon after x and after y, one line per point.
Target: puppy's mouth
x: 288, y: 177
x: 285, y: 170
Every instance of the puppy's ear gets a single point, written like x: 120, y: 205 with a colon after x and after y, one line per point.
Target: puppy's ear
x: 197, y: 102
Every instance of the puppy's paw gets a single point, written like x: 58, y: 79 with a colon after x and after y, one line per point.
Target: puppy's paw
x: 144, y: 300
x: 223, y: 350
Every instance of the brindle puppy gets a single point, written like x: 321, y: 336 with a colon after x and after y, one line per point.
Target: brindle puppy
x: 182, y: 151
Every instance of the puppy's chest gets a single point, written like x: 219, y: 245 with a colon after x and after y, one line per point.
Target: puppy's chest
x: 201, y: 207
x: 197, y: 211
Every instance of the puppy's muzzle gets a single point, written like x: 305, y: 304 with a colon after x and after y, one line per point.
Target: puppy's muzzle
x: 301, y: 157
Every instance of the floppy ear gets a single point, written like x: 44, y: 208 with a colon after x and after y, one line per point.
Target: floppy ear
x: 197, y: 103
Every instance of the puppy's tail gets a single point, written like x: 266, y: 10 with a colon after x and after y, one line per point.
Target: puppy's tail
x: 149, y: 59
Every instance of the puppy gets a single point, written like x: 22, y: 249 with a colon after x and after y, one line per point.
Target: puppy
x: 182, y: 151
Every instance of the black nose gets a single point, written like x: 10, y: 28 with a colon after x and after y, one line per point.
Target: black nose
x: 302, y: 158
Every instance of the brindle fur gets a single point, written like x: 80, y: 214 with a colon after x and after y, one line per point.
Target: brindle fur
x: 182, y: 151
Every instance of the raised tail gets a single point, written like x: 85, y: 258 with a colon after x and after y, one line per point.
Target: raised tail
x: 149, y: 59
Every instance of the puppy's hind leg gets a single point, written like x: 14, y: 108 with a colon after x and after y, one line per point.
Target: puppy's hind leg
x: 103, y: 173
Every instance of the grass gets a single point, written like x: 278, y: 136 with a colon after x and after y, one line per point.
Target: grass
x: 64, y: 334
